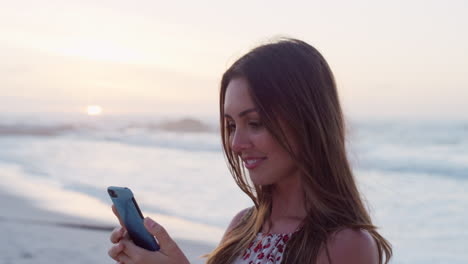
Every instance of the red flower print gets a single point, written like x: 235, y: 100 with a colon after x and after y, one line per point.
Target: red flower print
x: 258, y: 247
x: 261, y: 256
x: 280, y: 248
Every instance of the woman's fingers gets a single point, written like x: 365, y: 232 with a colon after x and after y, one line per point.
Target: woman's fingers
x: 124, y: 259
x: 115, y: 251
x: 117, y: 214
x: 117, y: 235
x: 168, y: 246
x: 133, y: 250
x: 126, y: 252
x: 137, y: 254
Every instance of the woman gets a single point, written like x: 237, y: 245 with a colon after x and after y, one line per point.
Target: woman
x: 282, y: 121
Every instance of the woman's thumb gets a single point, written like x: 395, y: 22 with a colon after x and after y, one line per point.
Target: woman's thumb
x: 165, y: 241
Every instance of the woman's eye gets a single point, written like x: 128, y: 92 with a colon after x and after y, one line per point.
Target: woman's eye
x: 255, y: 124
x: 230, y: 127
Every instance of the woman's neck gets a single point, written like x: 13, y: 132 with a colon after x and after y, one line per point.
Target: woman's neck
x: 287, y: 209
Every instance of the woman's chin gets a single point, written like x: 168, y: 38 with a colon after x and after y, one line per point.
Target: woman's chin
x: 260, y: 180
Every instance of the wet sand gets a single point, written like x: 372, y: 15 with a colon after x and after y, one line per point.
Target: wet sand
x: 33, y: 235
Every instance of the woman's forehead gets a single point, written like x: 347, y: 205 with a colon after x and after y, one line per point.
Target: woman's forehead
x: 237, y: 98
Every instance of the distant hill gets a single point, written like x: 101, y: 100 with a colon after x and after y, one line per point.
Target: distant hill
x: 185, y: 125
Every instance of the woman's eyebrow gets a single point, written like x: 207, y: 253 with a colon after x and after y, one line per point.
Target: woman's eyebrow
x: 243, y: 113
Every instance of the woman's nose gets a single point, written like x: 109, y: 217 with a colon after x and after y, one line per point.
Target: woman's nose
x: 240, y: 141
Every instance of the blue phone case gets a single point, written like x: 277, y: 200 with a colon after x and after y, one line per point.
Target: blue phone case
x: 132, y: 217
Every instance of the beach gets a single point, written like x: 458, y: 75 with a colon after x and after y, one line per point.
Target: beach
x: 55, y: 208
x: 34, y: 235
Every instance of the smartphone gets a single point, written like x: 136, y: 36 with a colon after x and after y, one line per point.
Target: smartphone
x: 131, y: 216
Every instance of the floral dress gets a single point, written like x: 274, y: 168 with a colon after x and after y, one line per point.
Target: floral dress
x: 265, y: 249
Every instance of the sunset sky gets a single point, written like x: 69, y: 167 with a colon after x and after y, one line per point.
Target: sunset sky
x: 400, y: 58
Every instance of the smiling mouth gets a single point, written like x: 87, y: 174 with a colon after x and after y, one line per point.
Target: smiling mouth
x: 253, y: 163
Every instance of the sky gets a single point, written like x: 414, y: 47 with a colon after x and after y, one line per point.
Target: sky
x: 392, y: 59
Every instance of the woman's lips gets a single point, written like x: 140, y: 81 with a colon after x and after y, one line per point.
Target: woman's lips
x: 252, y: 163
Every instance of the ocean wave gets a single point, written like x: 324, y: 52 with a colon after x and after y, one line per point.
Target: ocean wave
x: 50, y: 128
x: 35, y: 130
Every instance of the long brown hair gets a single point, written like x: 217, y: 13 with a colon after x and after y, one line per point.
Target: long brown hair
x: 293, y: 88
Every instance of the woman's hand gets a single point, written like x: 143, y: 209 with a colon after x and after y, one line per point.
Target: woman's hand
x: 126, y: 252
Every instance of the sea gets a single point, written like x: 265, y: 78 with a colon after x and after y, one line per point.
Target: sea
x: 413, y: 174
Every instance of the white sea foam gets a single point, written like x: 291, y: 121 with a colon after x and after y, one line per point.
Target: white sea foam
x: 49, y: 195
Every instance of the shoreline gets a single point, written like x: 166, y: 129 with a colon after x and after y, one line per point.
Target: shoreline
x: 39, y: 236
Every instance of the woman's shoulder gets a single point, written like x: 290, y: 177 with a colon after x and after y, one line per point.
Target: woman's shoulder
x: 237, y: 219
x: 350, y: 246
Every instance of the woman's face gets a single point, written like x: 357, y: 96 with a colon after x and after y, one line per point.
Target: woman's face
x: 265, y: 159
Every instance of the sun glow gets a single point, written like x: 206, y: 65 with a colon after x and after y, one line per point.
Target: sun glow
x: 93, y: 110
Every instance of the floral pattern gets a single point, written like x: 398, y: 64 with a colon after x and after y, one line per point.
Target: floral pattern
x: 266, y: 249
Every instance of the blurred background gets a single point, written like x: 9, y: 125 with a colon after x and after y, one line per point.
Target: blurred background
x: 99, y: 93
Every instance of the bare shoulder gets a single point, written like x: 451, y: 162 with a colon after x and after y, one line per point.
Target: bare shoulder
x: 235, y: 221
x: 350, y: 246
